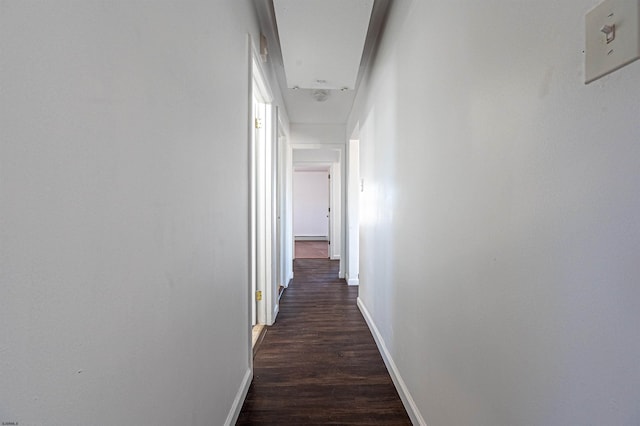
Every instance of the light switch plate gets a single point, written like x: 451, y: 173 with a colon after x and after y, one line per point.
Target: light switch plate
x: 621, y: 19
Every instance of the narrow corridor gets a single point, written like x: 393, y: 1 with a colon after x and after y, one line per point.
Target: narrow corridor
x: 318, y: 364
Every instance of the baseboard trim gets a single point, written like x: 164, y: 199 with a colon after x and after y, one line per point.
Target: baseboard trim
x: 401, y: 387
x: 311, y: 238
x: 259, y: 340
x: 236, y: 407
x: 353, y: 281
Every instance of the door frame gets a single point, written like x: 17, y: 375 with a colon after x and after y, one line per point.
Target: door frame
x: 337, y: 233
x: 319, y: 167
x: 263, y: 196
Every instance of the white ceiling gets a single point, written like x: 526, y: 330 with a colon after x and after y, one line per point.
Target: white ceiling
x: 320, y: 40
x: 302, y: 108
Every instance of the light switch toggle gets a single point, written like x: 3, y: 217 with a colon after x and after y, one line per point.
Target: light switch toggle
x: 610, y: 32
x: 612, y: 37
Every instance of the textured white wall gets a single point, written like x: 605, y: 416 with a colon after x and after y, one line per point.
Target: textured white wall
x: 353, y: 212
x: 123, y: 211
x: 310, y: 203
x: 322, y: 156
x: 317, y: 133
x: 501, y: 215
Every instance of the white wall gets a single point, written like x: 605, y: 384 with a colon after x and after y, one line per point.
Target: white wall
x: 317, y: 133
x: 353, y: 212
x: 336, y: 217
x: 287, y: 218
x: 501, y: 215
x: 123, y: 211
x: 310, y: 203
x: 321, y: 156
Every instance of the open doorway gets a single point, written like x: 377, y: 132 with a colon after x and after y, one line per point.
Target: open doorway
x: 329, y: 159
x: 311, y: 211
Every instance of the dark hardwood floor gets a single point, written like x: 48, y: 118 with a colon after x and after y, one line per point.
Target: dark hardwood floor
x: 318, y: 364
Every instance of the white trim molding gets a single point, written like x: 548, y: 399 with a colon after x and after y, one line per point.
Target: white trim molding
x: 401, y: 387
x: 311, y: 238
x: 352, y: 281
x: 238, y: 401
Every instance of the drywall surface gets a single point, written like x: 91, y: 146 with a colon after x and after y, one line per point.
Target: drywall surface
x: 317, y: 133
x: 353, y: 212
x: 123, y: 211
x: 320, y: 156
x: 500, y: 219
x: 311, y: 204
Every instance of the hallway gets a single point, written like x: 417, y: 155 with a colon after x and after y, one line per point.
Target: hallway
x: 319, y: 364
x: 483, y: 196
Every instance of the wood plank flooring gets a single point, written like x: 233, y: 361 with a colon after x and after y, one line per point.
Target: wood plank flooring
x: 311, y: 249
x: 318, y: 364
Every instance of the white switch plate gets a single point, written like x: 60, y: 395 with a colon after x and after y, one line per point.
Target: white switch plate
x: 601, y: 57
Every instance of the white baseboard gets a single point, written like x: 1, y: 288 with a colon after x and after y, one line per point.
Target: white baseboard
x: 401, y: 387
x: 351, y: 281
x: 311, y: 238
x: 335, y: 257
x: 232, y: 417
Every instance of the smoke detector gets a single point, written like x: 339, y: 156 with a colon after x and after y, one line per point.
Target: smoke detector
x: 320, y: 95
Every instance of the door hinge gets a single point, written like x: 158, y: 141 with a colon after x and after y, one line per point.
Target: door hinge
x: 258, y: 123
x: 258, y: 295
